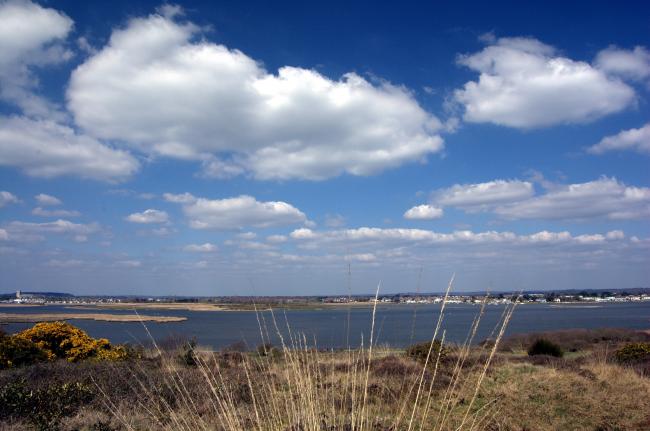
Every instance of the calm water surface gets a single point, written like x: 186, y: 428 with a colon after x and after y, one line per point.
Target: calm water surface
x: 393, y: 324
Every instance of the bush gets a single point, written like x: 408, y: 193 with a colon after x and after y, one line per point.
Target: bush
x: 634, y: 352
x: 44, y: 408
x: 420, y: 351
x: 62, y: 340
x: 187, y: 356
x: 543, y: 346
x: 270, y: 350
x: 16, y: 351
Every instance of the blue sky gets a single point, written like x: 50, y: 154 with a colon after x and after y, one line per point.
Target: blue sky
x: 208, y: 148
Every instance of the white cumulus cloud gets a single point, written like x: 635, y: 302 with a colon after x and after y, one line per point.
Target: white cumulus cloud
x: 236, y: 213
x: 637, y: 140
x: 631, y: 64
x: 43, y: 148
x: 483, y: 195
x: 30, y: 36
x: 525, y: 83
x: 162, y: 90
x: 603, y: 198
x: 423, y: 212
x: 373, y: 237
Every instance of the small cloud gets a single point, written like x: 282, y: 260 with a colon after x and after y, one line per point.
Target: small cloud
x: 429, y: 90
x: 7, y: 198
x: 183, y: 198
x: 148, y: 216
x: 201, y: 248
x: 423, y: 212
x: 84, y: 45
x: 131, y: 193
x: 44, y: 199
x: 162, y: 231
x: 69, y: 263
x: 38, y: 211
x: 334, y: 220
x: 276, y: 238
x: 247, y: 235
x: 302, y: 233
x: 129, y: 263
x: 637, y: 140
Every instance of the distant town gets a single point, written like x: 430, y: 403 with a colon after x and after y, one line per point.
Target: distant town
x: 563, y: 296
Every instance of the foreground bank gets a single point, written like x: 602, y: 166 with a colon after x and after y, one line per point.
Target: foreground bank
x: 582, y: 380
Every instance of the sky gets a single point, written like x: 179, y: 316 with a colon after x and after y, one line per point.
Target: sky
x: 297, y: 148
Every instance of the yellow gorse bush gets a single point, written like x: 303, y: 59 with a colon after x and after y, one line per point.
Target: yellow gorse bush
x: 62, y: 340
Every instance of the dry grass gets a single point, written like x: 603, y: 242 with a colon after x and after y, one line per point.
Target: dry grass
x: 300, y: 388
x: 605, y: 397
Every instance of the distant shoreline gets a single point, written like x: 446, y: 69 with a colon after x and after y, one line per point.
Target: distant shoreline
x: 50, y: 317
x: 18, y: 304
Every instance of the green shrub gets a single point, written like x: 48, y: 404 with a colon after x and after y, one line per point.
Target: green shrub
x: 543, y: 346
x: 43, y: 408
x: 16, y: 351
x: 633, y: 352
x: 420, y: 351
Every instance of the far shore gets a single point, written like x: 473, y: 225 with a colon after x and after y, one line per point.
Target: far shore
x: 51, y: 317
x: 203, y: 306
x: 18, y: 304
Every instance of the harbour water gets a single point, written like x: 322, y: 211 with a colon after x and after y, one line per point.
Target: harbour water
x: 395, y: 325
